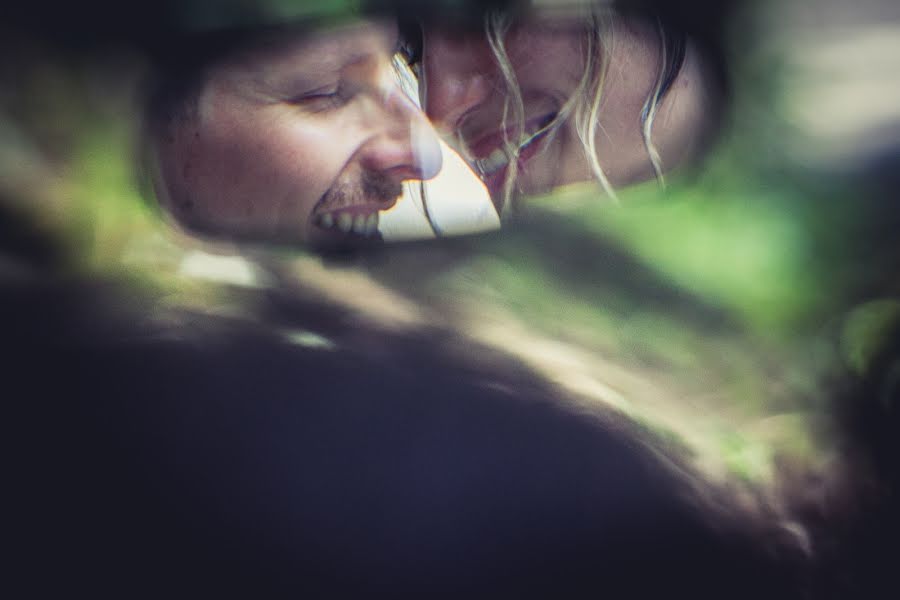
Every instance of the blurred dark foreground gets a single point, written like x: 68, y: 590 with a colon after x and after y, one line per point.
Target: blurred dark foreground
x: 231, y: 463
x: 211, y: 456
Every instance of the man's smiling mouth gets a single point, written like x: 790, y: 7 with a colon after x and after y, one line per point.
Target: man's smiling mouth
x: 352, y: 220
x: 350, y: 210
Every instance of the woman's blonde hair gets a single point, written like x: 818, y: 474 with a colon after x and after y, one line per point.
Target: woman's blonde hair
x: 583, y: 106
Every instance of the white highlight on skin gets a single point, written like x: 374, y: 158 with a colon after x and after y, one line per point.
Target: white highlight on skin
x: 427, y: 155
x: 454, y: 202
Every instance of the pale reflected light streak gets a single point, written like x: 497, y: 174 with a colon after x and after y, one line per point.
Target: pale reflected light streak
x: 841, y: 96
x: 232, y: 270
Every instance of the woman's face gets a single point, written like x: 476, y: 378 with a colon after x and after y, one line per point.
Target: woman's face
x: 465, y: 95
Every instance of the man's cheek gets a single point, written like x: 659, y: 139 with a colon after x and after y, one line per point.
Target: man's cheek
x: 319, y: 155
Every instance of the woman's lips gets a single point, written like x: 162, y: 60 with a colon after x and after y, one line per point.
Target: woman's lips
x: 491, y: 159
x: 486, y: 144
x: 496, y: 180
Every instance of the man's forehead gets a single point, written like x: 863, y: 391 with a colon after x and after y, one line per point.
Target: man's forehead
x: 320, y: 49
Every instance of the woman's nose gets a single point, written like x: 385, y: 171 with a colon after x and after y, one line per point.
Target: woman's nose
x: 457, y: 74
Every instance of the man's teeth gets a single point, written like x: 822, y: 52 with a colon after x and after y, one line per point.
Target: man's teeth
x: 359, y: 224
x: 347, y: 222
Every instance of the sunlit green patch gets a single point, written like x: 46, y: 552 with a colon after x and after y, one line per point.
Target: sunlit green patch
x: 736, y: 250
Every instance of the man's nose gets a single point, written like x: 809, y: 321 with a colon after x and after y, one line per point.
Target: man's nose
x: 458, y: 76
x: 404, y: 144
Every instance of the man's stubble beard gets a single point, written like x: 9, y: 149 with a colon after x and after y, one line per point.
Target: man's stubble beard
x: 373, y: 188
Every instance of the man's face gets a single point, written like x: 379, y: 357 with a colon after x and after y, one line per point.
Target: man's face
x: 300, y: 138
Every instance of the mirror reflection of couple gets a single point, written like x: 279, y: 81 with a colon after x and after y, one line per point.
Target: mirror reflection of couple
x: 310, y: 134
